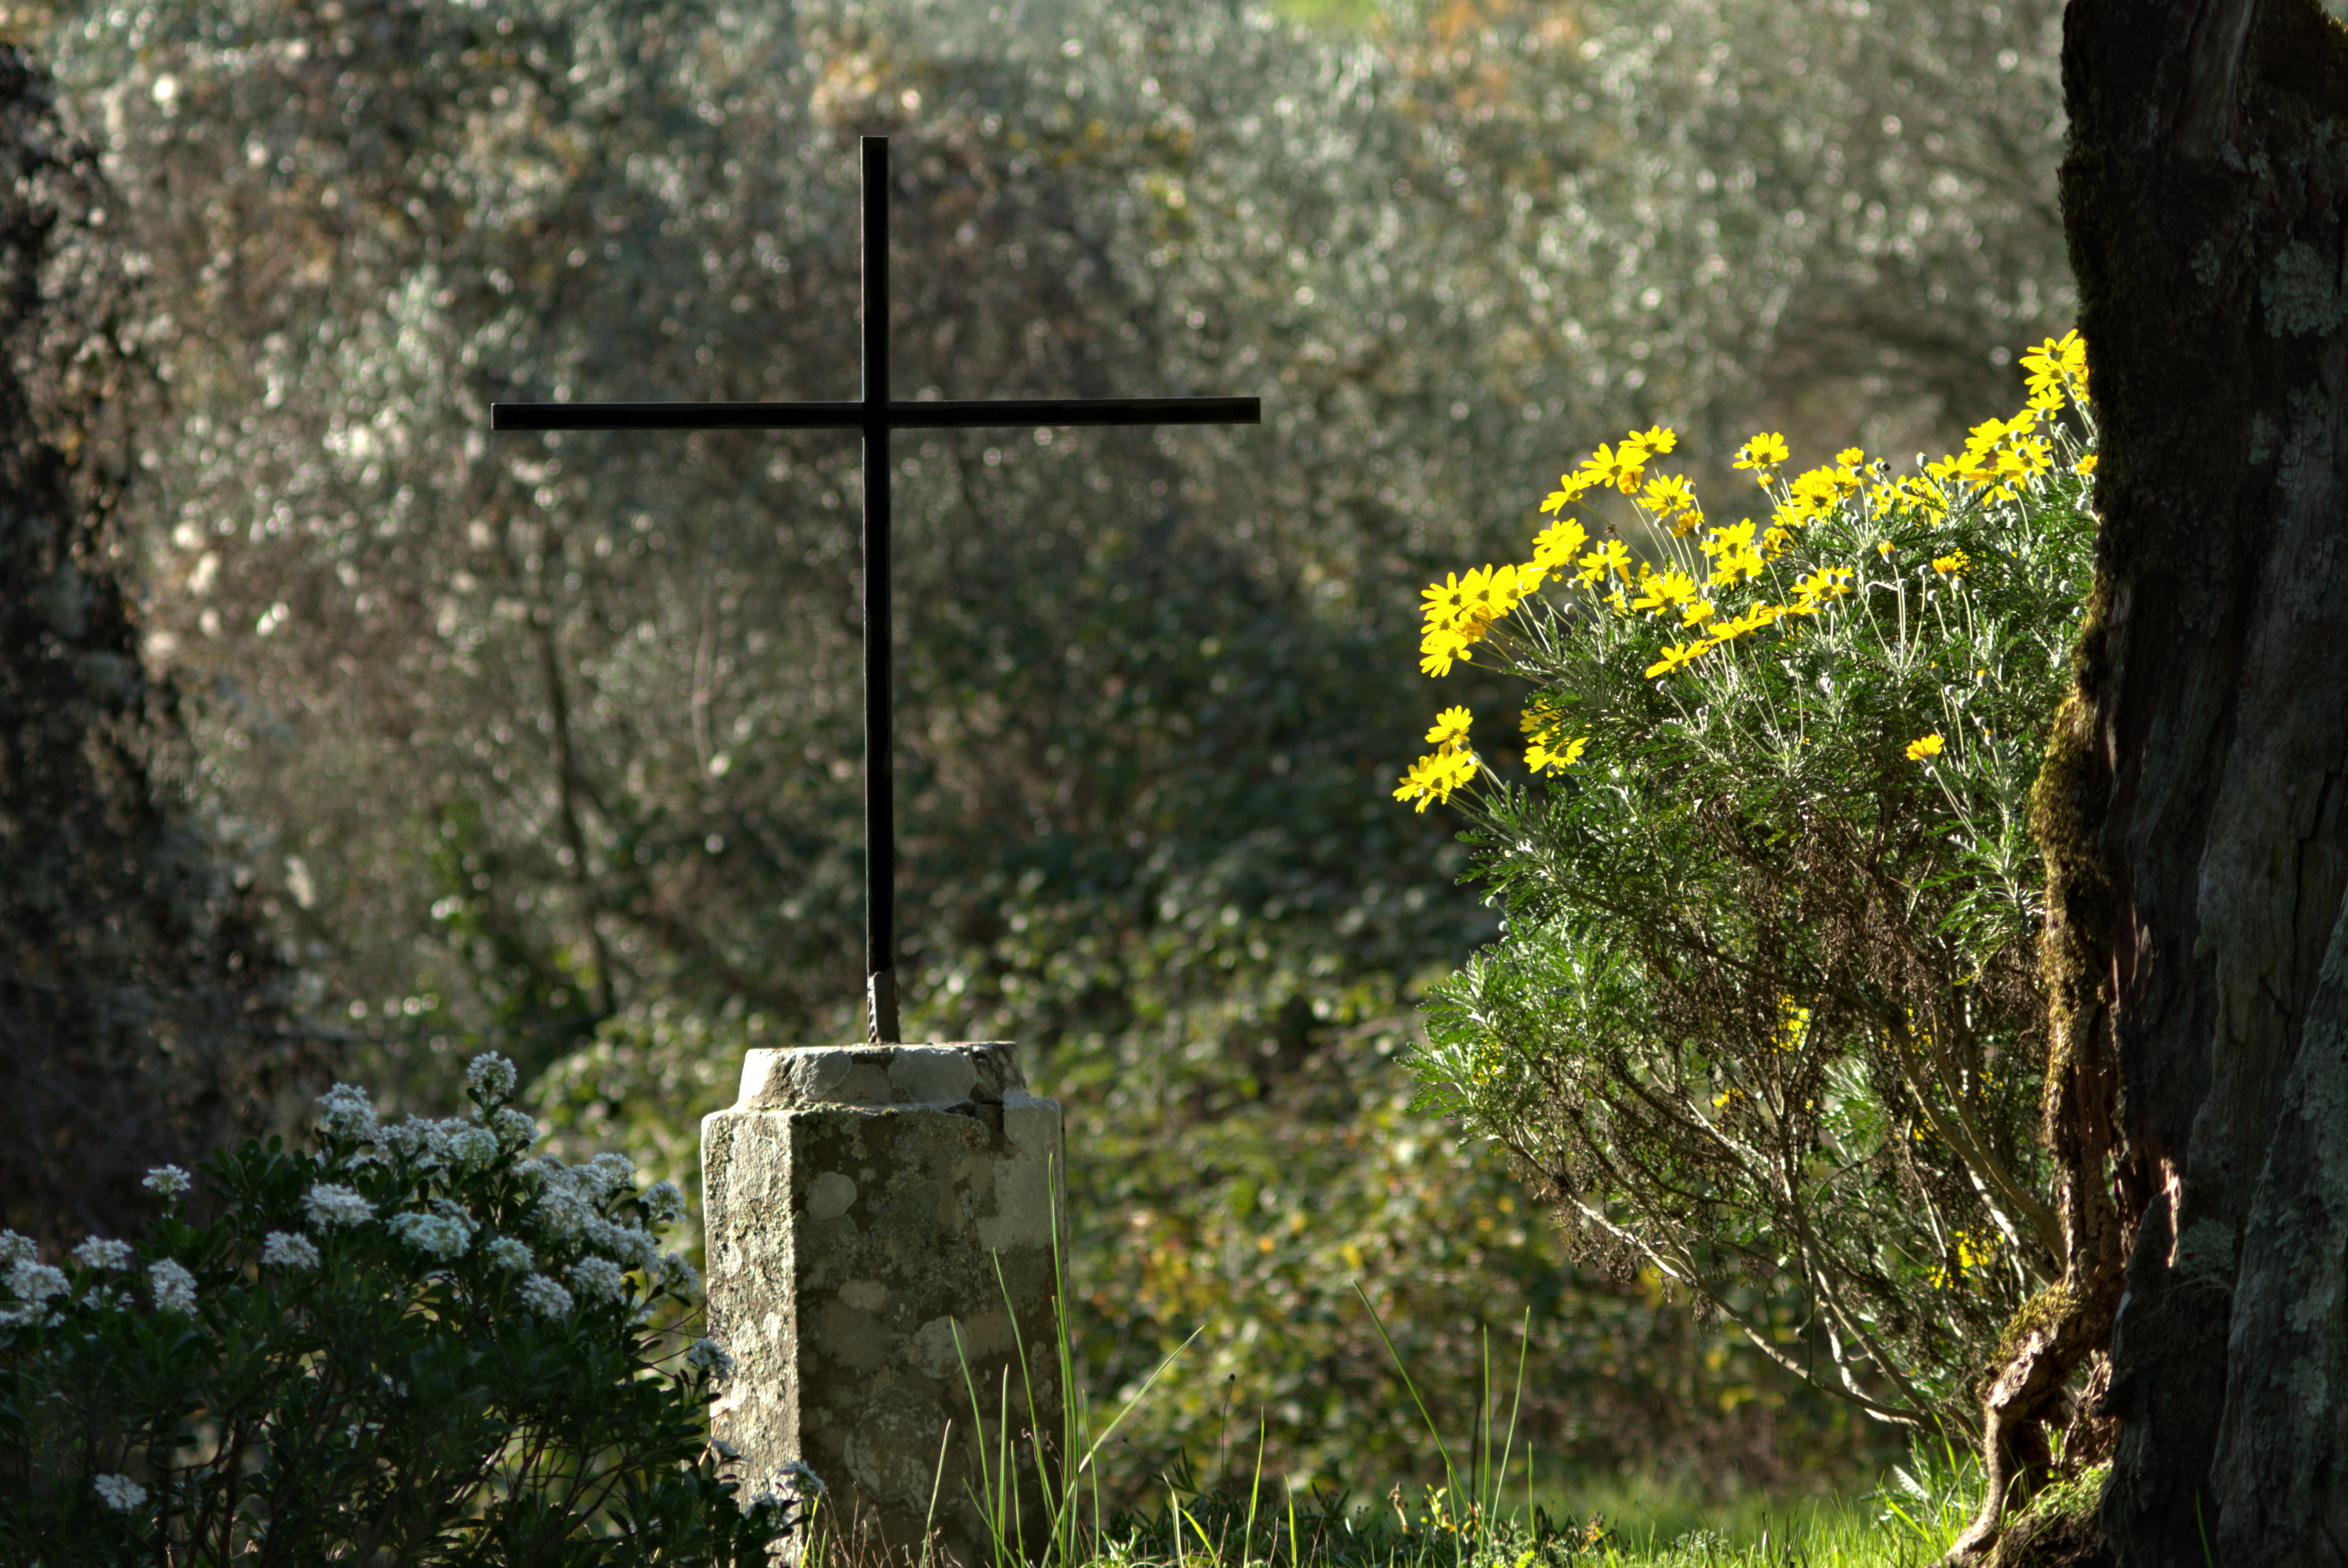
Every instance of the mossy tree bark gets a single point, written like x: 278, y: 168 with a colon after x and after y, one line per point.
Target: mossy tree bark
x: 2200, y: 843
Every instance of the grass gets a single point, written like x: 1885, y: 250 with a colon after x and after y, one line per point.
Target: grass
x: 1641, y: 1523
x: 1480, y: 1517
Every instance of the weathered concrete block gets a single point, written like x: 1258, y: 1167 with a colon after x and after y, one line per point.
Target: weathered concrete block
x: 857, y: 1200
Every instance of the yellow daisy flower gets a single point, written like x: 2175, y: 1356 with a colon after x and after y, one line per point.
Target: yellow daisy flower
x: 1737, y: 565
x: 1568, y: 488
x: 1450, y: 725
x: 1659, y: 593
x: 1444, y: 601
x: 1733, y: 538
x: 1439, y: 649
x: 1762, y: 453
x: 1558, y: 543
x: 1675, y: 655
x: 1541, y: 758
x: 1612, y: 555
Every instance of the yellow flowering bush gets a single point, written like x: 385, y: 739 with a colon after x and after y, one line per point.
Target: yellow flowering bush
x: 1764, y: 1012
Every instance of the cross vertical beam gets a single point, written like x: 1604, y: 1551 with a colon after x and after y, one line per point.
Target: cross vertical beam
x: 879, y: 668
x: 875, y: 415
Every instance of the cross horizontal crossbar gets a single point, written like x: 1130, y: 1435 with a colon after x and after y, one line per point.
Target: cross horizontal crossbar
x: 929, y: 416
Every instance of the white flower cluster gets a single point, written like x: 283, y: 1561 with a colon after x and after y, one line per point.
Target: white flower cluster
x: 174, y: 1287
x: 36, y: 1282
x: 793, y: 1490
x: 346, y: 1111
x: 599, y: 1279
x: 567, y: 1215
x: 562, y: 1211
x: 514, y: 1128
x: 100, y: 1253
x: 118, y: 1492
x: 432, y: 1143
x: 166, y: 1181
x: 664, y: 1205
x: 710, y: 1355
x: 568, y: 1231
x: 511, y: 1253
x: 31, y: 1281
x: 627, y: 1245
x: 330, y: 1204
x: 440, y: 1235
x: 545, y: 1298
x: 287, y: 1249
x: 490, y: 1079
x: 604, y: 1175
x: 472, y: 1146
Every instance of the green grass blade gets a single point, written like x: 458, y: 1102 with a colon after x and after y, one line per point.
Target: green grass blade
x: 1450, y: 1471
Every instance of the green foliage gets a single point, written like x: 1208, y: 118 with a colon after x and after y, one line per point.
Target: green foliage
x: 1764, y: 1012
x: 1253, y: 1521
x: 562, y: 736
x: 1245, y: 1526
x: 1931, y: 1499
x: 2062, y: 1513
x: 1189, y: 1527
x: 1245, y: 1237
x: 1142, y: 674
x: 372, y: 1349
x: 1465, y: 1521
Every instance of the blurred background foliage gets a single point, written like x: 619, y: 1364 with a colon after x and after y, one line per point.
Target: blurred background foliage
x: 550, y: 743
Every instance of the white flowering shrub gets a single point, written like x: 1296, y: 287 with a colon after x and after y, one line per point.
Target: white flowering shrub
x: 418, y: 1343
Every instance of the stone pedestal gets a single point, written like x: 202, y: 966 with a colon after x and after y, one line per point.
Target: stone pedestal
x: 857, y: 1200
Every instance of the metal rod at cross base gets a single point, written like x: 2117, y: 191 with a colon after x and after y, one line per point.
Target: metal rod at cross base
x: 875, y: 415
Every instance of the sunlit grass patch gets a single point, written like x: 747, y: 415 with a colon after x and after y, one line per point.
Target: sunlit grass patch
x: 1489, y: 1511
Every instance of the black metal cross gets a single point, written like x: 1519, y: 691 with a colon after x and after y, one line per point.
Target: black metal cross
x: 876, y: 416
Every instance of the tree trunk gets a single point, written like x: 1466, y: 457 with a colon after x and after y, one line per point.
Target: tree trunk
x: 142, y: 1004
x: 2204, y: 192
